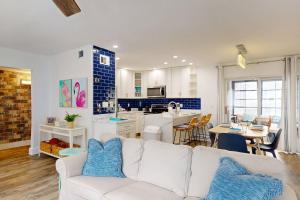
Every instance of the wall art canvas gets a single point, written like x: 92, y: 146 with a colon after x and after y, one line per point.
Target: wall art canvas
x: 79, y: 93
x: 65, y: 93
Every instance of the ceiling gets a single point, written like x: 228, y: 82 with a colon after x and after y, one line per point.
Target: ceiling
x: 150, y: 32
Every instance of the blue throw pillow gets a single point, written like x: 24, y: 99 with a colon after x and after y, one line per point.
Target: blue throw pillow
x: 104, y: 159
x: 232, y: 181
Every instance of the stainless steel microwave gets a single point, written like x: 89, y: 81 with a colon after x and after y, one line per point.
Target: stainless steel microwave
x: 156, y: 92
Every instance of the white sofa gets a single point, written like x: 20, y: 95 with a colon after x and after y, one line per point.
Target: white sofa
x: 158, y: 171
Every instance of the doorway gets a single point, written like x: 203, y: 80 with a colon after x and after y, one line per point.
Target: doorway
x: 15, y: 107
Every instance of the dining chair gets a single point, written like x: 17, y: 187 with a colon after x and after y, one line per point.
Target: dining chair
x: 200, y: 128
x: 186, y: 128
x: 273, y: 146
x: 212, y: 136
x: 232, y: 142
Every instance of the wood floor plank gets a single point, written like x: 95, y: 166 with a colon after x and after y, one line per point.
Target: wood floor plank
x: 23, y: 177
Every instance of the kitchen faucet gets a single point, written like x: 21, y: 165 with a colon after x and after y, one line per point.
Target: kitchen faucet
x: 170, y: 104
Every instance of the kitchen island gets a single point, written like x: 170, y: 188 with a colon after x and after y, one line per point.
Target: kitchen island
x: 115, y: 126
x: 166, y: 121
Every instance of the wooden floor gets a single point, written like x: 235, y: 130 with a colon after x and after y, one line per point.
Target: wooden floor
x: 23, y: 177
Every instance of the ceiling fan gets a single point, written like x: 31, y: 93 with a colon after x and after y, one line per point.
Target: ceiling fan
x: 68, y: 7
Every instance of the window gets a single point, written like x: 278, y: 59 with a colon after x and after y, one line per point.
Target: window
x: 257, y: 97
x: 245, y: 97
x: 271, y: 97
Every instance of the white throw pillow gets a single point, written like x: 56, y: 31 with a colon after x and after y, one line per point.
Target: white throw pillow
x: 205, y: 162
x: 166, y: 165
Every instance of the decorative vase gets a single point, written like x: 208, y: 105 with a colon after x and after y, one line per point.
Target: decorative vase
x: 70, y: 124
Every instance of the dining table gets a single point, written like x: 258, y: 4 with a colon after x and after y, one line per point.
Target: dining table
x: 249, y: 132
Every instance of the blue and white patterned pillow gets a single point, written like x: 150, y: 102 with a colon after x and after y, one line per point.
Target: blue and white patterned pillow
x: 232, y: 181
x: 104, y: 159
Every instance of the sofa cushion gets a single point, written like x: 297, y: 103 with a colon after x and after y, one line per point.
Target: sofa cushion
x: 132, y: 150
x: 141, y: 191
x: 105, y: 159
x: 205, y: 162
x: 166, y: 165
x: 93, y: 188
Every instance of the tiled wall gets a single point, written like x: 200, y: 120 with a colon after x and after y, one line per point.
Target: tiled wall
x: 104, y: 81
x: 188, y: 103
x: 15, y: 107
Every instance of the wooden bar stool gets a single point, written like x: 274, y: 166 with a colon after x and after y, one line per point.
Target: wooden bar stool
x: 186, y: 128
x: 202, y: 128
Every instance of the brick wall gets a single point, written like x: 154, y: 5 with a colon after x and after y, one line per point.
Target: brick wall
x: 15, y: 107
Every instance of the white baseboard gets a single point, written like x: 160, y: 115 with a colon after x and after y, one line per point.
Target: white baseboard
x: 14, y: 144
x: 34, y: 151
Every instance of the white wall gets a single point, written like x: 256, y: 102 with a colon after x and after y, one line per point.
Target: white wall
x: 67, y: 65
x: 40, y: 88
x: 268, y: 69
x: 208, y: 90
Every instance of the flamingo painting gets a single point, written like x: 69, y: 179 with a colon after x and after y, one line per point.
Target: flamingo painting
x: 79, y: 93
x: 65, y: 93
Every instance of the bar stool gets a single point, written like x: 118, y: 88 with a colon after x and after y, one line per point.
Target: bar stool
x: 202, y: 127
x: 186, y: 128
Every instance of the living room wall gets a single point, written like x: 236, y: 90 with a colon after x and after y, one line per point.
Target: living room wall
x: 41, y: 79
x: 68, y: 65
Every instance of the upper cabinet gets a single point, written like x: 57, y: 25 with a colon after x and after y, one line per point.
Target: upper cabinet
x: 125, y: 83
x: 179, y: 82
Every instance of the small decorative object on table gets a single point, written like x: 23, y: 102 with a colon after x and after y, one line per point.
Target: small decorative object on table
x: 70, y: 119
x: 50, y: 120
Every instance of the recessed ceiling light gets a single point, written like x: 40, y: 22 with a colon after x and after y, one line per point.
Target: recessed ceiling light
x: 115, y: 46
x: 117, y: 58
x: 175, y: 57
x: 183, y: 60
x: 165, y: 63
x: 190, y: 63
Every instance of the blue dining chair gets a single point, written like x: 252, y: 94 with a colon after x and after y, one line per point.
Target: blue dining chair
x: 232, y: 142
x: 273, y: 146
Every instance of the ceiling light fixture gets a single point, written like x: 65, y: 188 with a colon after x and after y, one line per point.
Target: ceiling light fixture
x: 190, y: 63
x: 175, y: 57
x: 115, y: 46
x: 241, y: 60
x: 183, y: 60
x: 117, y: 58
x: 165, y: 63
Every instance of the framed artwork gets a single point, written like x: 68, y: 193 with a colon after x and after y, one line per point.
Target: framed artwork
x: 65, y: 93
x: 79, y: 93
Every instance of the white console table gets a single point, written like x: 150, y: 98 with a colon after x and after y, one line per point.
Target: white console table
x: 70, y: 133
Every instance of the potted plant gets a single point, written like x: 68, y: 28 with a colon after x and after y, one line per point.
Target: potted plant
x: 70, y: 118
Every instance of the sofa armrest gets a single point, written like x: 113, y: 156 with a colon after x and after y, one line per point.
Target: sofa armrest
x: 288, y: 193
x: 71, y: 166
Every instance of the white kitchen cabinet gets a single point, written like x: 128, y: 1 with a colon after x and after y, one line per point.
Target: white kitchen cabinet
x: 180, y: 82
x: 183, y: 82
x: 136, y: 116
x: 125, y: 83
x: 124, y: 128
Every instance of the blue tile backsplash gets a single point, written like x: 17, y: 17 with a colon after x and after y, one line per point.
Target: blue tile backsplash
x: 104, y: 82
x: 188, y: 103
